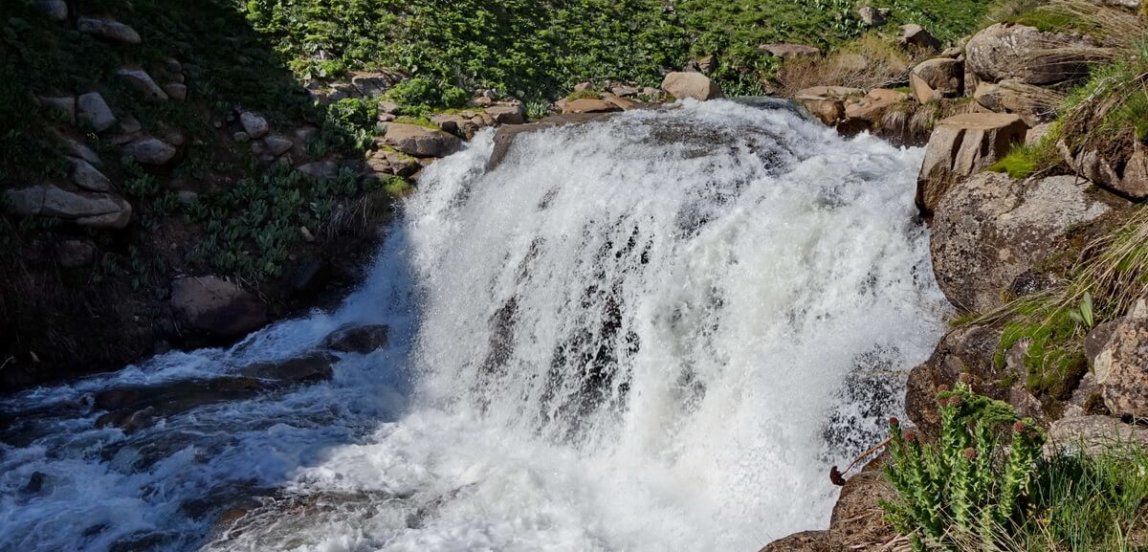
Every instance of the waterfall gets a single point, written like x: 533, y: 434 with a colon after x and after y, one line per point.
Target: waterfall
x: 656, y: 331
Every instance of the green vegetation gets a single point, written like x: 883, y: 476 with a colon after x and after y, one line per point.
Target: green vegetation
x: 984, y: 485
x: 539, y: 49
x: 968, y: 486
x: 1025, y: 160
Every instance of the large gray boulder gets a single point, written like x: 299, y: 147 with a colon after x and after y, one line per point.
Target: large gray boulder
x: 85, y: 209
x: 112, y: 31
x: 148, y: 150
x: 1121, y: 368
x: 1034, y: 104
x: 420, y: 141
x: 683, y: 85
x: 217, y: 307
x: 1030, y: 56
x: 963, y: 145
x: 88, y: 177
x: 93, y: 111
x: 989, y: 229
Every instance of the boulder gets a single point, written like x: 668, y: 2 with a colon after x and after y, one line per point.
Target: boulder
x: 85, y: 209
x: 625, y: 90
x: 827, y: 103
x: 1034, y: 104
x: 148, y: 150
x: 989, y: 229
x: 1094, y: 435
x: 62, y: 106
x: 464, y: 125
x: 137, y: 407
x: 963, y: 145
x: 791, y: 51
x: 357, y: 339
x: 1122, y: 171
x: 508, y: 114
x: 873, y: 17
x: 690, y: 85
x: 88, y: 177
x: 373, y: 84
x: 937, y: 78
x: 917, y: 37
x: 309, y: 368
x: 1030, y: 56
x: 142, y: 82
x: 109, y: 30
x: 868, y: 111
x: 321, y: 170
x: 589, y: 105
x: 421, y: 142
x: 278, y: 144
x: 72, y: 147
x: 176, y: 91
x: 254, y: 124
x: 400, y: 163
x: 93, y: 111
x: 625, y: 104
x: 217, y: 307
x: 966, y: 350
x: 56, y: 10
x: 1121, y: 368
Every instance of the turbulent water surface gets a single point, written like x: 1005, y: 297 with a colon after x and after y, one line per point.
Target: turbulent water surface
x: 654, y: 332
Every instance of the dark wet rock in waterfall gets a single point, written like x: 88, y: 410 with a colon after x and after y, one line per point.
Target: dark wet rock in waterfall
x: 309, y: 368
x: 357, y: 339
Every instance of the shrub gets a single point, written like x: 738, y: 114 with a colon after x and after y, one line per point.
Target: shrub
x: 972, y: 483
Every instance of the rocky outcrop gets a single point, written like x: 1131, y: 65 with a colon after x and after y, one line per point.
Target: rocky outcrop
x: 589, y: 105
x: 84, y: 209
x: 868, y: 112
x: 916, y: 36
x: 1034, y: 104
x: 420, y: 141
x: 1121, y: 368
x: 963, y: 145
x: 990, y: 229
x: 216, y: 307
x: 1029, y: 56
x: 827, y: 103
x: 691, y: 85
x: 504, y: 137
x: 1124, y: 171
x: 937, y: 78
x: 965, y: 350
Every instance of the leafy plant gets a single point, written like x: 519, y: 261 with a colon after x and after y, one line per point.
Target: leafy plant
x: 972, y: 484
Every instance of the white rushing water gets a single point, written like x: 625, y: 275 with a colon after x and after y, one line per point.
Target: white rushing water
x: 655, y: 332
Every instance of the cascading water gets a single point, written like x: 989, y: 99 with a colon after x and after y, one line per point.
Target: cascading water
x: 654, y: 332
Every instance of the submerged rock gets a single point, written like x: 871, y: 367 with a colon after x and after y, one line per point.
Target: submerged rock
x: 357, y: 339
x: 305, y: 369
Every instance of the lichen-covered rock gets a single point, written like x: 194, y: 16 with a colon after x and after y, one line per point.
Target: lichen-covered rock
x: 965, y: 350
x: 1034, y: 104
x: 683, y: 85
x: 1124, y: 171
x: 421, y: 142
x: 1094, y: 435
x: 937, y: 78
x: 217, y: 307
x: 963, y: 145
x: 989, y: 229
x: 1121, y: 368
x: 1030, y: 56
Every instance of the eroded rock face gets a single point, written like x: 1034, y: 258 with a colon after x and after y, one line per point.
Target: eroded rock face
x: 691, y: 85
x: 1034, y: 104
x: 421, y: 142
x: 216, y: 306
x: 989, y: 229
x: 1121, y: 368
x: 963, y: 145
x: 1122, y: 171
x: 1029, y: 56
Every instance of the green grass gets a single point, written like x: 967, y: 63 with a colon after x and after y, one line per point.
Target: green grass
x: 1025, y: 160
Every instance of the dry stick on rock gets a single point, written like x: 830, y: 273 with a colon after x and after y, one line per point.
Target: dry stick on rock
x: 837, y: 476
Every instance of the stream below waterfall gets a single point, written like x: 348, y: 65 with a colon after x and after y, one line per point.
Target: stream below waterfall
x: 651, y: 332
